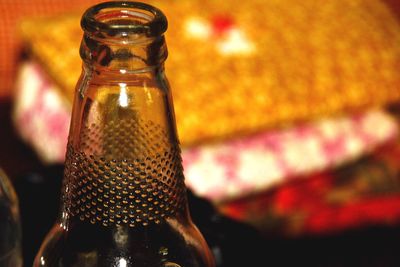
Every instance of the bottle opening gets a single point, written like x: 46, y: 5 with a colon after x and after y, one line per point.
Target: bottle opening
x: 124, y: 19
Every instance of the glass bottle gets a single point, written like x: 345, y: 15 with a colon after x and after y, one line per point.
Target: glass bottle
x: 124, y: 199
x: 10, y: 224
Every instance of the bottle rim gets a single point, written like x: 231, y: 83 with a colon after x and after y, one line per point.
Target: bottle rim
x: 123, y: 19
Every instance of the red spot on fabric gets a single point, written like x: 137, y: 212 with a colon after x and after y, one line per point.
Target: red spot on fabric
x: 221, y: 24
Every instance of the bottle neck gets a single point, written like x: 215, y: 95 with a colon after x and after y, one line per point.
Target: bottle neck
x: 123, y: 164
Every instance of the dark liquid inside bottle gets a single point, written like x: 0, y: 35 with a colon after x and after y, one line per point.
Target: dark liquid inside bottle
x: 154, y: 245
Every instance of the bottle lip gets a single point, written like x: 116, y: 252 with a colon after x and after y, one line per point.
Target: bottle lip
x: 106, y: 19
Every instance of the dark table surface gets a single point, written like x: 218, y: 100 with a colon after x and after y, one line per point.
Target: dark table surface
x: 237, y: 244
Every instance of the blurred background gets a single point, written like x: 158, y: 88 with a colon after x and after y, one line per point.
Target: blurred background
x: 287, y: 112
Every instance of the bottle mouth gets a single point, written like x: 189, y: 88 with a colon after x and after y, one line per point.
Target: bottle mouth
x: 124, y: 19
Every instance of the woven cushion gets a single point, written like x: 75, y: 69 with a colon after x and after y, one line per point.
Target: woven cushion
x: 222, y: 171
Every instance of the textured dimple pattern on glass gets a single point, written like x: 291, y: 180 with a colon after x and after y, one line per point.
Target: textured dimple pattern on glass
x: 126, y: 172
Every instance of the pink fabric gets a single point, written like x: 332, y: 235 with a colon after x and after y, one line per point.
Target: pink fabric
x: 41, y: 115
x: 251, y: 164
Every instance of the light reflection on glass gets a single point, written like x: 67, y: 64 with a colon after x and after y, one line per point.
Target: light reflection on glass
x: 122, y: 263
x: 123, y: 97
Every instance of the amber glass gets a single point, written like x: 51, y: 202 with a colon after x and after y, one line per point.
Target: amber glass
x: 124, y: 198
